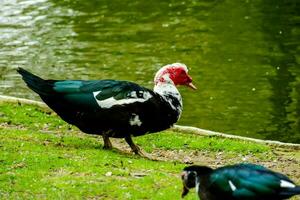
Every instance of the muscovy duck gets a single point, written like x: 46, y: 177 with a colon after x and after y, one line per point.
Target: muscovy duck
x: 111, y: 108
x: 240, y: 181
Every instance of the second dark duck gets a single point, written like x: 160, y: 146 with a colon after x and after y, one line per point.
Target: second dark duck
x: 112, y: 108
x: 238, y: 182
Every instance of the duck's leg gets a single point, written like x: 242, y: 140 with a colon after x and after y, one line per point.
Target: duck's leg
x: 133, y: 146
x: 107, y: 143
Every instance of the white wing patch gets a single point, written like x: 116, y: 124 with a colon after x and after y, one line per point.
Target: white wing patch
x: 135, y: 120
x: 110, y: 102
x: 232, y: 186
x: 286, y: 184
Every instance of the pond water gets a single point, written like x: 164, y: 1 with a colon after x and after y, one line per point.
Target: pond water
x: 243, y: 55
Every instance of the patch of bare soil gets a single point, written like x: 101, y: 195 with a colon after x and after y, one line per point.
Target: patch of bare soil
x: 286, y: 161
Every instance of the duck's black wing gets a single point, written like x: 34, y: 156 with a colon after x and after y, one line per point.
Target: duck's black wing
x: 111, y: 103
x: 249, y: 181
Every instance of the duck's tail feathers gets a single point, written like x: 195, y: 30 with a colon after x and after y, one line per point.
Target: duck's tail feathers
x: 37, y: 84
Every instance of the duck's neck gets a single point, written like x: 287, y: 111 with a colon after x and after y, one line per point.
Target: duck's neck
x: 170, y: 93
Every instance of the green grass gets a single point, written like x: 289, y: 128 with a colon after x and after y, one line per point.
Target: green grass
x: 43, y: 157
x: 173, y: 140
x: 50, y: 166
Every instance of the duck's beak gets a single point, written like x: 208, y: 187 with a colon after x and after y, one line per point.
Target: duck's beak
x: 191, y: 85
x: 185, y: 191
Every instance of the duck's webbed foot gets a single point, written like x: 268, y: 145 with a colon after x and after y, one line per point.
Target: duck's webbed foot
x: 134, y: 147
x: 107, y: 143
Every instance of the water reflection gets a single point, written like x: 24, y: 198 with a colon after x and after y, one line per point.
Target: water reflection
x: 243, y: 54
x: 281, y: 31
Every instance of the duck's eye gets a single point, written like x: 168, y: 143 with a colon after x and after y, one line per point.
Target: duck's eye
x: 192, y: 175
x: 182, y: 73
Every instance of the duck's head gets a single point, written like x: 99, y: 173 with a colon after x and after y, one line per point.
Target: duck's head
x: 176, y: 73
x: 189, y: 177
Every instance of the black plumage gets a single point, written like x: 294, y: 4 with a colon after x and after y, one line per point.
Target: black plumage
x: 238, y: 182
x: 110, y: 108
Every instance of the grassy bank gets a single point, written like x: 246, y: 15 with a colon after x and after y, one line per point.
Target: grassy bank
x: 43, y: 157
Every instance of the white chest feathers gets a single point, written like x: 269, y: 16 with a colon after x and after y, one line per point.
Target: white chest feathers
x: 166, y: 90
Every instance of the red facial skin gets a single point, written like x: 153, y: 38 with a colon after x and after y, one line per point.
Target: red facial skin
x: 179, y: 76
